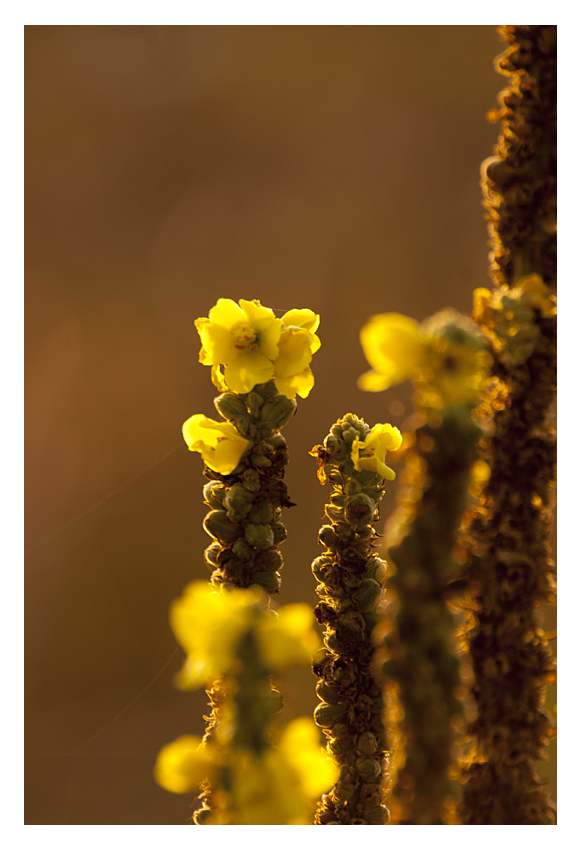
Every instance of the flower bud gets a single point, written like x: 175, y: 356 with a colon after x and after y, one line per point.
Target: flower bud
x: 271, y: 582
x: 359, y: 509
x: 269, y: 560
x: 242, y: 549
x: 369, y: 768
x: 261, y: 461
x: 368, y: 595
x: 217, y: 524
x: 327, y: 694
x: 367, y: 744
x: 237, y: 501
x: 326, y: 715
x: 380, y: 815
x: 279, y: 532
x: 254, y: 404
x: 211, y: 555
x: 278, y: 412
x: 259, y: 536
x: 344, y: 790
x: 327, y: 536
x: 230, y: 405
x: 214, y: 494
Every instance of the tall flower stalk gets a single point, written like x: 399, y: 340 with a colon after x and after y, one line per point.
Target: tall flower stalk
x: 445, y: 359
x: 260, y: 363
x: 350, y: 575
x: 511, y: 570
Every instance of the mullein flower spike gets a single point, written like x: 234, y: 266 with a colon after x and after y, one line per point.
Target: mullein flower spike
x: 254, y: 780
x: 446, y: 360
x: 350, y: 589
x: 511, y: 569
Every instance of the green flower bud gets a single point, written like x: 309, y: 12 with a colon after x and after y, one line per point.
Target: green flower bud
x: 278, y: 412
x: 279, y: 532
x: 217, y: 524
x: 214, y: 493
x: 211, y: 555
x: 327, y: 536
x: 368, y: 596
x: 269, y: 560
x: 327, y: 694
x: 359, y: 509
x: 261, y: 461
x: 369, y: 768
x: 237, y: 501
x: 367, y: 744
x: 259, y: 536
x: 230, y: 406
x: 278, y: 441
x: 242, y: 549
x: 326, y: 715
x: 271, y: 582
x: 344, y: 790
x: 380, y: 815
x: 262, y: 514
x: 320, y: 567
x: 254, y: 404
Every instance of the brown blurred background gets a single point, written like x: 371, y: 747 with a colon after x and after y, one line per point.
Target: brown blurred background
x: 329, y: 167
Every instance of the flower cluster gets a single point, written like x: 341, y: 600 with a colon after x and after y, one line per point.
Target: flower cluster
x: 444, y: 357
x: 230, y: 633
x: 278, y: 786
x: 208, y: 623
x: 246, y: 344
x: 508, y: 316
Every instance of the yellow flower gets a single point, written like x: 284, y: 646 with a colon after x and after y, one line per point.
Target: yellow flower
x: 243, y: 338
x: 370, y: 455
x: 300, y: 745
x: 288, y: 636
x: 208, y: 624
x: 254, y: 347
x: 395, y: 346
x: 281, y: 786
x: 182, y: 765
x: 219, y: 443
x: 297, y: 346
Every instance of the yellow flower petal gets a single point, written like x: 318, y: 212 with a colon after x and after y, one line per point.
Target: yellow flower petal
x: 394, y: 346
x: 208, y: 624
x: 288, y: 637
x: 294, y: 352
x: 297, y: 384
x: 182, y: 765
x: 370, y: 455
x: 373, y: 381
x: 248, y: 370
x: 227, y: 314
x: 306, y: 319
x: 219, y: 443
x: 300, y: 744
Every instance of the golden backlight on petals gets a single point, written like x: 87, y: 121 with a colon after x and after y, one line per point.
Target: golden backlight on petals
x: 247, y: 345
x: 219, y: 443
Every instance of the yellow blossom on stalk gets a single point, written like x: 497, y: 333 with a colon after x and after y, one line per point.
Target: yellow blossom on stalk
x: 300, y: 745
x: 370, y: 455
x: 219, y: 443
x: 182, y: 765
x: 288, y: 637
x: 507, y: 314
x: 208, y: 624
x: 444, y: 357
x: 253, y: 346
x: 395, y: 346
x: 281, y: 786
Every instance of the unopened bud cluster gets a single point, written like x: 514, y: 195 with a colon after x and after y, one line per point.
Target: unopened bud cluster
x: 350, y: 575
x: 246, y: 505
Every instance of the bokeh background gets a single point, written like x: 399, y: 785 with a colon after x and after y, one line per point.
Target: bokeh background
x: 329, y: 167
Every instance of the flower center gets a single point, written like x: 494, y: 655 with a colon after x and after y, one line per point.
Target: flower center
x: 245, y: 337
